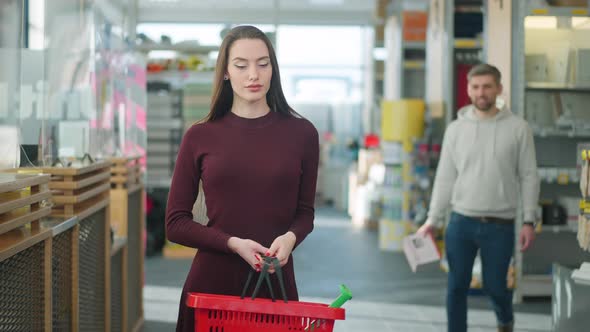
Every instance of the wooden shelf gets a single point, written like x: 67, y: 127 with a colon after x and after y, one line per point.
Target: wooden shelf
x: 14, y: 181
x: 75, y: 171
x: 79, y: 191
x: 125, y: 173
x: 82, y: 195
x: 24, y: 202
x: 9, y: 222
x: 82, y: 210
x: 17, y: 240
x: 21, y: 200
x: 83, y: 181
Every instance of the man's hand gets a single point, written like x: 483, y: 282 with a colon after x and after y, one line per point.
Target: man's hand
x: 425, y: 229
x: 249, y: 250
x: 282, y: 247
x: 527, y: 237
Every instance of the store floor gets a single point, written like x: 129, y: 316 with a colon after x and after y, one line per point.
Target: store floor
x: 387, y: 295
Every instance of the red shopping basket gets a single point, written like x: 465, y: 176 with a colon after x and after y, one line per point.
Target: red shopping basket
x: 223, y: 313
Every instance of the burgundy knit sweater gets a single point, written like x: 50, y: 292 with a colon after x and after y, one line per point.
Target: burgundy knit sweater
x: 259, y: 178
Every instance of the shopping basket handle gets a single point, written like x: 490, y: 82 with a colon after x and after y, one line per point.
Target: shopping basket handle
x: 267, y: 261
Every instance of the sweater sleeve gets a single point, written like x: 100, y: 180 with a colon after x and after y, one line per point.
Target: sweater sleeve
x: 528, y: 175
x: 444, y: 182
x: 303, y: 223
x: 180, y: 227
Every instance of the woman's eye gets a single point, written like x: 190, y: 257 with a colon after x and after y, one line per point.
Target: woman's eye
x: 240, y: 66
x: 263, y: 64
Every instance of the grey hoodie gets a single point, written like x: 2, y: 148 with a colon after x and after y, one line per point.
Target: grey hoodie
x: 483, y: 166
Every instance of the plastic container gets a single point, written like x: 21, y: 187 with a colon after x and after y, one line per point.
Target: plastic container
x: 233, y: 314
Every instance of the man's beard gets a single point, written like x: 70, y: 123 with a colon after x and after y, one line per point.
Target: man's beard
x: 483, y: 104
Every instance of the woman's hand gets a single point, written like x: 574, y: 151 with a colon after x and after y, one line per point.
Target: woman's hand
x: 249, y: 250
x: 282, y: 247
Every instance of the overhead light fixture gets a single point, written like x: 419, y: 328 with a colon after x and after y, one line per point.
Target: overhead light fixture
x: 326, y: 2
x: 580, y: 22
x: 540, y: 22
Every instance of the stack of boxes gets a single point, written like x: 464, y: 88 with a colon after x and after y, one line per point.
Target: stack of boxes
x: 165, y: 128
x: 196, y: 102
x: 402, y: 123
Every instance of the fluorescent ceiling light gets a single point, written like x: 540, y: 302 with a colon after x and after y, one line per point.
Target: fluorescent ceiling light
x: 540, y: 22
x: 580, y: 23
x: 326, y: 2
x: 379, y: 53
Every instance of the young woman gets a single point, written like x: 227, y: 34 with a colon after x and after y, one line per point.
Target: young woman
x: 258, y: 162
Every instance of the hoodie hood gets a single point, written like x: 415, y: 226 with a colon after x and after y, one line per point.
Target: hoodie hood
x: 468, y: 113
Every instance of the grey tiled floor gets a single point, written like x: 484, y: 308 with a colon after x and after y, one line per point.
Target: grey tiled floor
x: 387, y: 295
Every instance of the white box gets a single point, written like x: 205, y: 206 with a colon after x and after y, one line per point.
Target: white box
x: 74, y: 138
x: 420, y: 250
x: 536, y: 68
x: 538, y: 109
x: 9, y: 147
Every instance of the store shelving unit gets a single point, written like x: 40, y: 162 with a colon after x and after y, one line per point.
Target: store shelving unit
x: 464, y: 49
x: 405, y: 42
x: 540, y: 102
x: 181, y: 48
x: 165, y: 129
x: 127, y: 220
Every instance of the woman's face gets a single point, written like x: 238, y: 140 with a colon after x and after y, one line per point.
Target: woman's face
x: 249, y: 69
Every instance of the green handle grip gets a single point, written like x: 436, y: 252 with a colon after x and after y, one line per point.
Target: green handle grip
x: 345, y: 295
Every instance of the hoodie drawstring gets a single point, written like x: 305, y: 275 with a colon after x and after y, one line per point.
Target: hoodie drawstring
x: 494, y: 138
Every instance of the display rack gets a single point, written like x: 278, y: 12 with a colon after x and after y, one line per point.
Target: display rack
x: 125, y: 172
x: 65, y: 267
x: 21, y: 200
x: 79, y: 191
x: 405, y: 42
x: 464, y: 50
x: 165, y: 129
x: 83, y: 192
x: 545, y: 92
x: 119, y: 277
x: 25, y: 258
x: 128, y: 221
x: 25, y: 254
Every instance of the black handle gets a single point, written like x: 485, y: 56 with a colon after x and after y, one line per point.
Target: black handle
x: 267, y: 263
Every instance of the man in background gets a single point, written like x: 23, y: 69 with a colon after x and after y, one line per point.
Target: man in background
x: 488, y: 157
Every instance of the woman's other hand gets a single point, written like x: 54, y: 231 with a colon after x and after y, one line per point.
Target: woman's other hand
x: 282, y: 247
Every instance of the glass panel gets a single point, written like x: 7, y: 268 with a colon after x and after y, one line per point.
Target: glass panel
x: 11, y: 18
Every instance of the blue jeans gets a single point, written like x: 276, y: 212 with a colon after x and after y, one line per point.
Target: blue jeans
x: 463, y: 237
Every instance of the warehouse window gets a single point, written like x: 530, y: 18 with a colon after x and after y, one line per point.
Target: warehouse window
x: 321, y: 63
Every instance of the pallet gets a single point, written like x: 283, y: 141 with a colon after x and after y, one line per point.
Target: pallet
x: 21, y: 200
x: 79, y: 191
x: 125, y: 172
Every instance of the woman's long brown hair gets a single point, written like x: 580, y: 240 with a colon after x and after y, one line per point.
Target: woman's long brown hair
x: 223, y: 94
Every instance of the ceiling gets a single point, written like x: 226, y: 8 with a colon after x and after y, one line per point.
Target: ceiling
x: 258, y: 11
